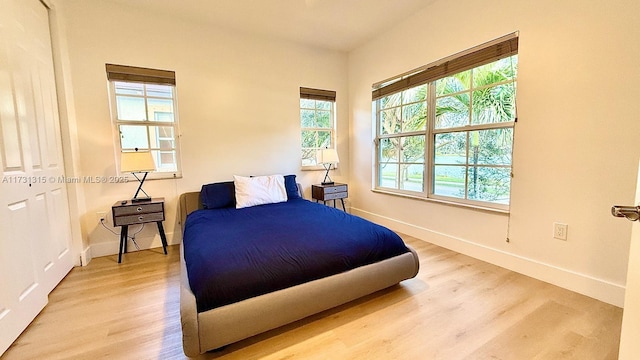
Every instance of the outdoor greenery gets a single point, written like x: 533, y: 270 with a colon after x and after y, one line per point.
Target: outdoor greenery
x: 471, y: 161
x: 316, y: 124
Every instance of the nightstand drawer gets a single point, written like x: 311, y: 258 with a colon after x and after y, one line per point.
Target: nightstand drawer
x: 335, y: 189
x: 137, y: 209
x: 327, y: 192
x: 333, y: 196
x: 138, y: 218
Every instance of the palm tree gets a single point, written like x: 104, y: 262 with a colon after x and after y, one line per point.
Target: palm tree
x: 406, y: 113
x: 492, y: 100
x: 483, y: 95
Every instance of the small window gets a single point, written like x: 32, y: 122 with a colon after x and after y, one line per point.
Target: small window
x: 317, y: 124
x: 144, y: 115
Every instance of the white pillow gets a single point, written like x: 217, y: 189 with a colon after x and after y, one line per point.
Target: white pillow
x: 258, y: 190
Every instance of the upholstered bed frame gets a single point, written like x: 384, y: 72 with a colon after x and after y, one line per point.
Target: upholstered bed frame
x: 224, y: 325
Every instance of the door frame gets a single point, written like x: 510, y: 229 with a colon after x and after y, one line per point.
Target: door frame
x: 630, y: 333
x: 68, y: 127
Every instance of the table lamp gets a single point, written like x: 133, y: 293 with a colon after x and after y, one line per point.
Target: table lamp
x: 137, y: 162
x: 327, y: 157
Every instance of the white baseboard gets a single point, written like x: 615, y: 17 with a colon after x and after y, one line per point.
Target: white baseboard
x: 581, y: 283
x: 86, y: 256
x: 108, y: 248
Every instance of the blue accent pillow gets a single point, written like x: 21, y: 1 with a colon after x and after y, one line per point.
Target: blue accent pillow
x: 291, y: 187
x: 218, y: 195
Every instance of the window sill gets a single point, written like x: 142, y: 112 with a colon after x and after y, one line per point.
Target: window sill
x: 153, y: 176
x: 317, y: 167
x: 440, y: 201
x: 312, y: 168
x: 164, y: 176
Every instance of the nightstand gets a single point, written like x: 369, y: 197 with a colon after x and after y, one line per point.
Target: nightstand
x: 127, y: 213
x: 333, y: 191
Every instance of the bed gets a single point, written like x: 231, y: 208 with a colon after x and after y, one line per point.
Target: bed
x: 306, y: 258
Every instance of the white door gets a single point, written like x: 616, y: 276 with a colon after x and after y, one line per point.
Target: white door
x: 35, y: 235
x: 629, y: 340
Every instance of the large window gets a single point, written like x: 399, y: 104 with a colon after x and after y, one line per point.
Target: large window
x: 143, y: 103
x: 446, y: 131
x: 317, y: 123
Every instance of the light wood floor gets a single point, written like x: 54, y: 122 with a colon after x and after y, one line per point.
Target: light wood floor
x: 456, y: 308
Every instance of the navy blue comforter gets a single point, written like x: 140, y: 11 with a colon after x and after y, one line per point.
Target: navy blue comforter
x: 235, y: 254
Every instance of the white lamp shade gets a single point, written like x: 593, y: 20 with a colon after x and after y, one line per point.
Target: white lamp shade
x: 328, y: 156
x: 139, y: 161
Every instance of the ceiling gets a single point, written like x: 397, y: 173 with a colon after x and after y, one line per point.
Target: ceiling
x: 334, y: 24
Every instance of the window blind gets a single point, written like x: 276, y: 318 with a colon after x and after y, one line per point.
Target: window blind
x: 317, y: 94
x: 140, y: 74
x: 481, y: 55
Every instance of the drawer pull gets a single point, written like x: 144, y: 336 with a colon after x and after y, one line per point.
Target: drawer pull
x: 139, y: 208
x: 138, y: 218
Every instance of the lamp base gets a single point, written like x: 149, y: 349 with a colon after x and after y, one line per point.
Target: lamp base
x: 140, y: 199
x: 327, y: 183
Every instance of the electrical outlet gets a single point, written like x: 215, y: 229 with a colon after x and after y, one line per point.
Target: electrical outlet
x: 560, y: 231
x: 102, y: 216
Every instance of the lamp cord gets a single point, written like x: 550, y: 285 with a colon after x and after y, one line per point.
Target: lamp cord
x: 132, y: 236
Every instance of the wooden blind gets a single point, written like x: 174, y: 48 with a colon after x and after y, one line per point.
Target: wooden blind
x: 317, y: 94
x: 140, y: 74
x: 491, y: 52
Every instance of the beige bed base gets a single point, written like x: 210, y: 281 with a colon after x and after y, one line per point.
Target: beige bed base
x: 224, y: 325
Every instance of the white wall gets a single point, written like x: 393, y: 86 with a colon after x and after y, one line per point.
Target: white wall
x: 576, y: 140
x: 576, y: 101
x: 237, y: 103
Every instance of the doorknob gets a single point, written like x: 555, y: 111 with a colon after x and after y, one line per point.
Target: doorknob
x: 632, y: 213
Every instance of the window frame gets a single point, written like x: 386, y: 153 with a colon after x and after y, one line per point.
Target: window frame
x: 408, y: 81
x: 398, y: 135
x: 134, y: 75
x: 318, y: 95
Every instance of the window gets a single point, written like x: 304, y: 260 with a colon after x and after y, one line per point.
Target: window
x: 143, y: 108
x: 446, y: 131
x: 317, y: 121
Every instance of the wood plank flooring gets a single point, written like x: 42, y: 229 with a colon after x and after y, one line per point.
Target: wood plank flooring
x: 456, y: 308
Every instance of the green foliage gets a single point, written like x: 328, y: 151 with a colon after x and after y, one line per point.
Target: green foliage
x: 315, y: 121
x: 476, y: 162
x: 492, y: 101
